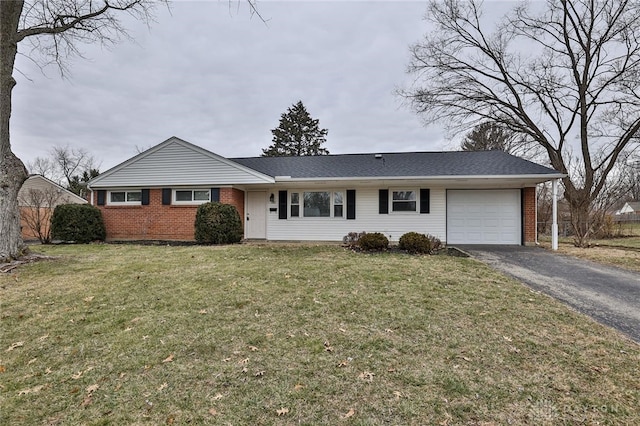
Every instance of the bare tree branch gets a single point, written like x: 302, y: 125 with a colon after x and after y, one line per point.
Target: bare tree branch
x: 575, y: 90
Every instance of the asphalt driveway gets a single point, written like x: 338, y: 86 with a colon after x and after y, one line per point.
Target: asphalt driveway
x: 609, y: 295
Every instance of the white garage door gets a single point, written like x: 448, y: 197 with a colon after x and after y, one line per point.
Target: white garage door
x: 483, y: 216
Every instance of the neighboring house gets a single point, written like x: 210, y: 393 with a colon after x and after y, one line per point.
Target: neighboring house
x: 460, y: 197
x: 37, y: 199
x: 630, y: 207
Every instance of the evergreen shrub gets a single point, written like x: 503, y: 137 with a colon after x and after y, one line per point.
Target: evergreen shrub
x: 374, y: 241
x: 80, y: 223
x: 217, y: 223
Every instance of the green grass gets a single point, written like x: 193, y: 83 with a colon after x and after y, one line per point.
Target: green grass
x: 118, y: 334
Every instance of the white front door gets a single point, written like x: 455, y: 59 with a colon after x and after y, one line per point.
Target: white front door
x: 483, y: 216
x: 256, y: 220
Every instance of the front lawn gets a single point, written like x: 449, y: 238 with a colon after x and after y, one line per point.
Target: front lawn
x: 118, y: 334
x: 622, y: 252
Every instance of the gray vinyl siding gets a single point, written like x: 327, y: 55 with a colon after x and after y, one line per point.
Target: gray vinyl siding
x: 38, y: 183
x: 393, y: 225
x: 177, y: 164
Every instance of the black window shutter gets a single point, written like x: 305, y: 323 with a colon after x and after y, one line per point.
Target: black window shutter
x: 215, y: 194
x: 383, y: 202
x: 282, y: 204
x: 145, y: 197
x: 425, y: 196
x: 166, y: 196
x: 351, y: 203
x: 102, y: 197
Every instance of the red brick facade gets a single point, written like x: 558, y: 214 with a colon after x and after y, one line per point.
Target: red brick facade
x: 529, y: 208
x: 160, y: 222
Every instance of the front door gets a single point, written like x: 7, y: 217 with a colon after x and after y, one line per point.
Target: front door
x: 256, y: 223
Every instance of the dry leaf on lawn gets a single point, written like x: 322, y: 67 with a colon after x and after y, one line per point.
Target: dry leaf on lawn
x: 168, y: 359
x: 283, y: 411
x: 163, y: 386
x: 14, y: 345
x: 88, y: 299
x: 298, y: 386
x: 91, y: 389
x: 253, y: 348
x: 213, y: 411
x: 243, y: 361
x: 35, y: 389
x: 366, y: 375
x: 260, y: 373
x: 349, y: 413
x: 218, y: 397
x: 86, y: 401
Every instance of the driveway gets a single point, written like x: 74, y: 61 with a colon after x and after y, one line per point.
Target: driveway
x: 609, y: 295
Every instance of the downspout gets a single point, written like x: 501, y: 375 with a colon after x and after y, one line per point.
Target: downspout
x: 554, y: 214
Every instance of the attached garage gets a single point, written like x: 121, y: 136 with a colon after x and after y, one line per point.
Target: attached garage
x: 484, y: 216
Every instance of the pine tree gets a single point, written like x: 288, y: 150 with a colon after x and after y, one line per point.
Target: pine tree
x: 297, y: 134
x: 488, y: 136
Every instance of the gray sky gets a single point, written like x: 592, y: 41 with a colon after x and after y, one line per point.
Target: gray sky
x: 219, y: 78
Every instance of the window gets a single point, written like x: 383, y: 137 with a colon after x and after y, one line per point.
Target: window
x: 317, y: 204
x: 403, y: 201
x: 125, y: 197
x: 192, y: 196
x: 338, y: 204
x: 295, y: 204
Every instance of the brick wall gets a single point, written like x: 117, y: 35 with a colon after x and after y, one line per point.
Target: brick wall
x: 28, y: 215
x: 529, y: 206
x: 159, y: 222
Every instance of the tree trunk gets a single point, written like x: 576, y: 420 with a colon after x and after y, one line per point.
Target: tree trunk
x: 12, y: 170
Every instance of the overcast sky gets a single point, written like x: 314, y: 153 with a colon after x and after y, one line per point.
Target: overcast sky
x: 215, y: 76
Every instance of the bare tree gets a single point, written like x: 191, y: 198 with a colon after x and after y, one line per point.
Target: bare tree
x: 43, y: 166
x: 53, y: 27
x: 567, y: 77
x: 66, y: 166
x: 37, y: 209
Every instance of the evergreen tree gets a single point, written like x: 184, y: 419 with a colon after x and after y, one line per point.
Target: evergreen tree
x: 488, y: 136
x: 297, y: 134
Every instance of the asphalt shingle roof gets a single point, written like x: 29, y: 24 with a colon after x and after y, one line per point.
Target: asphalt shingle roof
x: 409, y: 164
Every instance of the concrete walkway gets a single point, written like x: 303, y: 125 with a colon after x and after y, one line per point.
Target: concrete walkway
x: 609, y: 295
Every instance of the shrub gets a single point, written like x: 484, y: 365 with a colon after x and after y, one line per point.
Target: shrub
x: 373, y: 242
x: 218, y: 223
x: 414, y: 242
x: 81, y: 223
x: 352, y: 238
